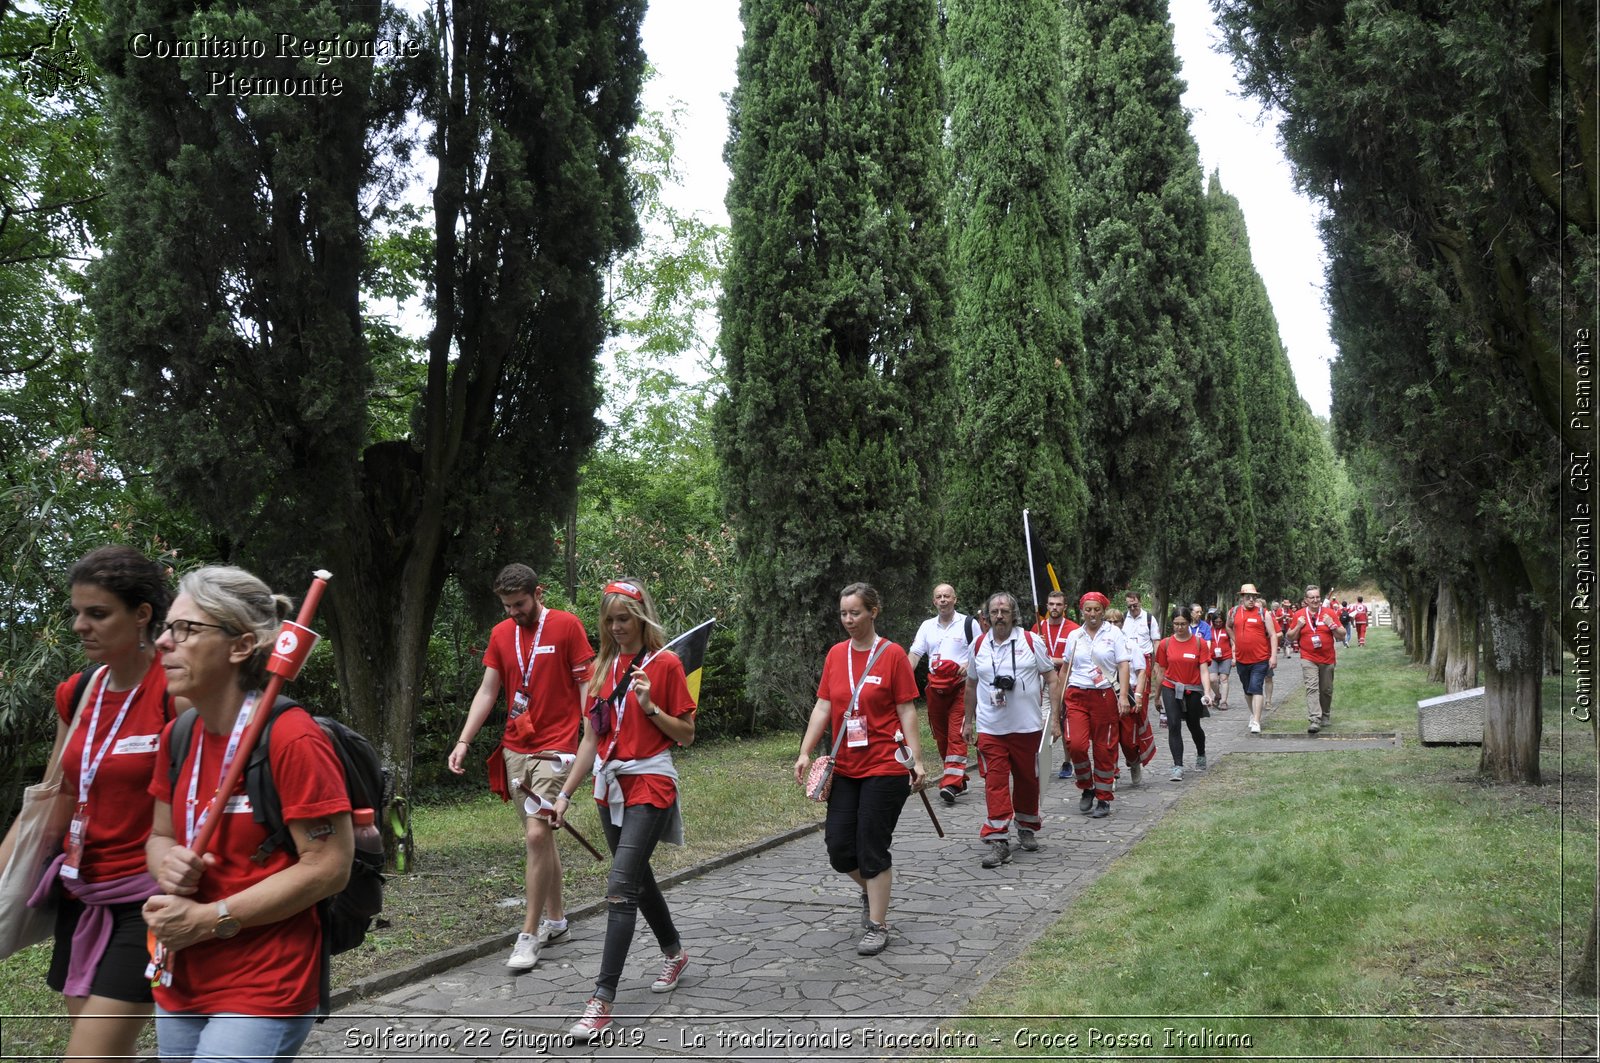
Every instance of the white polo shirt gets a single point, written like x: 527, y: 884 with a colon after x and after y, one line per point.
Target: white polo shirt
x: 1092, y: 659
x: 944, y: 646
x: 1023, y: 656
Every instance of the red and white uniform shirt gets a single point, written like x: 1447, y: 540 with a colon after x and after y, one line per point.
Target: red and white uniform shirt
x: 1022, y: 656
x: 1143, y: 631
x: 271, y: 969
x: 1092, y: 659
x: 545, y: 665
x: 946, y: 649
x: 1182, y: 660
x: 633, y: 736
x: 888, y: 685
x: 118, y: 804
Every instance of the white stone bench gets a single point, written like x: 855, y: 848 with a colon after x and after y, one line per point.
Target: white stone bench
x: 1451, y: 719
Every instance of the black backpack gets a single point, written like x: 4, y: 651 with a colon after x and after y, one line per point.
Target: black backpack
x: 348, y: 914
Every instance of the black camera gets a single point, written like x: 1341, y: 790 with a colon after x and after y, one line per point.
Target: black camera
x: 1005, y: 682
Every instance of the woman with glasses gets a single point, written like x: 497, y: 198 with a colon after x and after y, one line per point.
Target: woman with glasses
x: 108, y: 722
x: 240, y: 929
x: 867, y: 693
x: 640, y: 708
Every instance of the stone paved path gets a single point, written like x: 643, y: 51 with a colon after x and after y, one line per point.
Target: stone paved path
x: 773, y: 971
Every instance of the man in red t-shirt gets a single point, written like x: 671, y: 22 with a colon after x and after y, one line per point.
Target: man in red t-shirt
x: 1255, y: 649
x: 1054, y: 629
x: 540, y: 658
x: 1313, y: 631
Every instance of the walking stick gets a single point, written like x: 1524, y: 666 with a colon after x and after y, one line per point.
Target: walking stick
x: 903, y: 755
x: 546, y: 809
x: 289, y: 652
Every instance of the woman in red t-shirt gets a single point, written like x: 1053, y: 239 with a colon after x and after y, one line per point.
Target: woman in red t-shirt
x: 1182, y: 669
x: 641, y: 707
x: 1221, y: 658
x: 241, y: 932
x: 867, y: 694
x: 119, y: 599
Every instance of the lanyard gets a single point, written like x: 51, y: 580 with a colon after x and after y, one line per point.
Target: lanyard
x: 850, y: 672
x: 88, y: 768
x: 621, y: 703
x: 533, y: 654
x: 192, y: 824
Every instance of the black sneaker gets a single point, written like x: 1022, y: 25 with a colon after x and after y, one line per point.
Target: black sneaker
x: 1102, y: 809
x: 1086, y: 802
x: 947, y: 794
x: 999, y: 853
x: 1026, y: 841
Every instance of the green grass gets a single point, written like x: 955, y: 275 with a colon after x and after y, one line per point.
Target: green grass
x: 1289, y: 889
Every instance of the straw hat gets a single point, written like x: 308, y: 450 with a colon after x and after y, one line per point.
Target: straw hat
x: 1250, y: 588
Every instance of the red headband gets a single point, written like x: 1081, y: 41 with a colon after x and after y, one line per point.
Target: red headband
x: 1094, y: 596
x: 627, y: 590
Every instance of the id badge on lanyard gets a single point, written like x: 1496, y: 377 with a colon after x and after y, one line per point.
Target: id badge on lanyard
x: 72, y: 844
x: 519, y: 703
x: 855, y: 721
x: 855, y: 730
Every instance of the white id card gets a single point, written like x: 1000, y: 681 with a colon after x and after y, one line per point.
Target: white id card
x: 519, y: 704
x: 855, y: 730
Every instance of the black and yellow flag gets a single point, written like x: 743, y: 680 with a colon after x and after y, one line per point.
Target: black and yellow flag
x: 691, y: 650
x: 1041, y: 573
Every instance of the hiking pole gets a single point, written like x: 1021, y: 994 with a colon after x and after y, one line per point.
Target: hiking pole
x: 903, y: 755
x: 546, y: 809
x: 289, y: 653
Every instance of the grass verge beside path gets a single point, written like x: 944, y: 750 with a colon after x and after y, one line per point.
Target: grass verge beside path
x: 469, y: 873
x: 1291, y: 889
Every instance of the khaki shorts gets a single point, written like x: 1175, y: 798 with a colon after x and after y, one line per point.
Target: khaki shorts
x: 543, y: 777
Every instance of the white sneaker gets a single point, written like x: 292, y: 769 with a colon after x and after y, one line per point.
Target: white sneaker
x: 525, y: 953
x: 1177, y: 773
x: 1255, y: 728
x: 549, y: 931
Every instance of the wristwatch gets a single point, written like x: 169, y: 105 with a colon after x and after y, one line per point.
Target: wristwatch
x: 652, y: 714
x: 227, y: 925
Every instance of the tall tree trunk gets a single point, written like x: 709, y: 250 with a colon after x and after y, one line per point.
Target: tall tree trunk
x: 1581, y: 979
x: 1454, y: 661
x: 1446, y: 631
x: 1513, y: 667
x: 1419, y: 596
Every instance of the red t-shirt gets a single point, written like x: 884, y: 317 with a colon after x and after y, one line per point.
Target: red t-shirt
x: 264, y: 970
x: 119, y: 804
x: 1251, y: 640
x: 1054, y: 633
x: 1321, y: 623
x: 1183, y: 660
x: 1221, y: 645
x: 549, y: 674
x: 1281, y: 617
x: 889, y: 685
x: 638, y: 738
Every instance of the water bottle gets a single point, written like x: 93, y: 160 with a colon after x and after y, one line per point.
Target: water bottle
x: 368, y: 839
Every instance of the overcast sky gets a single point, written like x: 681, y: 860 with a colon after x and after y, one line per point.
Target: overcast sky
x: 694, y: 46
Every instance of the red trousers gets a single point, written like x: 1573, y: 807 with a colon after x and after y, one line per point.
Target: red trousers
x: 945, y: 713
x: 1134, y: 735
x: 1361, y: 633
x: 1092, y: 729
x: 1010, y: 767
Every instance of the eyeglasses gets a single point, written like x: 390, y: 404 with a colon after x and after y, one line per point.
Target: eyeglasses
x: 180, y: 630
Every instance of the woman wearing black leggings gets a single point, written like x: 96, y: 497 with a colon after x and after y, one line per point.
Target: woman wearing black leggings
x: 1183, y: 675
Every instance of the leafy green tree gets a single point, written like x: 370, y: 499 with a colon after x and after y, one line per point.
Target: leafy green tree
x: 231, y: 294
x: 1141, y: 234
x: 1017, y: 418
x: 834, y: 318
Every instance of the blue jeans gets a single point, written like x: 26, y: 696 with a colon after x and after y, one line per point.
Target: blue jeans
x: 630, y: 889
x: 226, y: 1038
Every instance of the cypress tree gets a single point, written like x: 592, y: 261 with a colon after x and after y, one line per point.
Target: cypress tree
x: 230, y: 300
x: 1016, y: 337
x: 1140, y: 224
x: 833, y: 324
